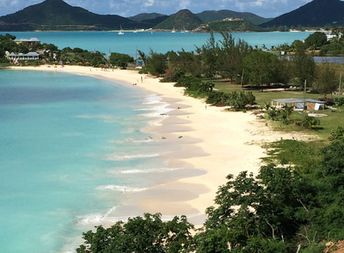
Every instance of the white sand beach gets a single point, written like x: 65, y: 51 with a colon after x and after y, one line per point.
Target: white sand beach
x: 207, y: 138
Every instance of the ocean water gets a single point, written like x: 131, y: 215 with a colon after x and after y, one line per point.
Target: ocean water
x: 162, y: 42
x: 63, y: 140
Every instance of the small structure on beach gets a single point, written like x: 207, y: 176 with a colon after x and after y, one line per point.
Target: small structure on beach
x: 299, y: 104
x: 31, y: 56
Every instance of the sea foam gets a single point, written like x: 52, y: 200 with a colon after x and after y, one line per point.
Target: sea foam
x: 147, y: 171
x: 120, y: 188
x: 131, y: 157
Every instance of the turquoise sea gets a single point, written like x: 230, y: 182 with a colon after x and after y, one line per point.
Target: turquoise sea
x: 63, y: 141
x: 162, y: 42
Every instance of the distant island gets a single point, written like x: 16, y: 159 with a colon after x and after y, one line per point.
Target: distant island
x: 58, y: 15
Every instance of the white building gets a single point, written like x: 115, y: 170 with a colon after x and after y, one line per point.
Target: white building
x: 31, y: 56
x: 28, y: 41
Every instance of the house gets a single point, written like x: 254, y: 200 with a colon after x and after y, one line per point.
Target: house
x: 31, y: 56
x: 299, y: 104
x: 29, y: 42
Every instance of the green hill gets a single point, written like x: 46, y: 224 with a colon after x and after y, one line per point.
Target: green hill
x: 149, y: 20
x: 147, y: 16
x: 56, y: 14
x: 209, y: 16
x: 183, y: 19
x: 317, y: 13
x: 231, y: 26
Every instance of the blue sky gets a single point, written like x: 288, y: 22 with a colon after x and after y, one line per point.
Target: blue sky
x: 266, y: 8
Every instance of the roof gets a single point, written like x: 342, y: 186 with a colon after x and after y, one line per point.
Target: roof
x: 297, y: 100
x: 28, y: 40
x: 32, y: 54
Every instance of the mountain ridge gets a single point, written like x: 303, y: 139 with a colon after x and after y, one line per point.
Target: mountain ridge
x: 328, y: 12
x: 59, y: 15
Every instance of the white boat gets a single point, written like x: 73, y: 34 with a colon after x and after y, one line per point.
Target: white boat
x: 121, y: 32
x: 184, y: 30
x: 173, y: 30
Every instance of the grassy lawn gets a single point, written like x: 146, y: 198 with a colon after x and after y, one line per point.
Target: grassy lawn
x: 265, y: 97
x: 327, y: 124
x: 298, y: 153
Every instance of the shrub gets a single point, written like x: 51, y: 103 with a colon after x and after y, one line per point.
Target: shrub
x: 218, y: 98
x: 156, y: 64
x: 237, y: 100
x: 121, y: 60
x: 339, y: 101
x: 308, y: 122
x: 337, y: 134
x: 314, y: 248
x: 187, y: 81
x: 282, y: 115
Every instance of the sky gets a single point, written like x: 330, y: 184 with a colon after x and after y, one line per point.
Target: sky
x: 265, y: 8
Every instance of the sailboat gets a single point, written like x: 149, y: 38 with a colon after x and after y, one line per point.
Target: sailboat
x: 173, y: 30
x: 121, y: 32
x: 184, y: 30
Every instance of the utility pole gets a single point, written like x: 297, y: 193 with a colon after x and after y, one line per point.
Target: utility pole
x: 304, y: 94
x: 242, y: 77
x: 340, y: 84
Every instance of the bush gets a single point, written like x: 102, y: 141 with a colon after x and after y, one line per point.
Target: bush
x: 314, y: 248
x: 308, y: 122
x: 173, y: 75
x: 140, y: 234
x: 257, y: 244
x: 121, y: 60
x: 337, y: 134
x: 237, y: 100
x: 282, y: 115
x: 218, y: 98
x: 339, y: 101
x: 187, y: 81
x: 156, y: 64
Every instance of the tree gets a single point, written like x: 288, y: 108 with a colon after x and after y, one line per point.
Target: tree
x: 121, y: 60
x: 316, y: 40
x: 141, y: 234
x: 258, y: 214
x: 231, y: 55
x: 156, y: 64
x: 2, y: 52
x: 326, y: 79
x: 304, y: 67
x: 261, y: 67
x: 209, y: 54
x: 298, y: 45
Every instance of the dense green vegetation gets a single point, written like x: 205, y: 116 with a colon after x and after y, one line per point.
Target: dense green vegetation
x: 209, y: 16
x: 237, y: 62
x: 238, y: 25
x: 50, y: 54
x: 183, y: 19
x: 318, y: 44
x: 121, y: 60
x: 282, y: 209
x: 284, y: 115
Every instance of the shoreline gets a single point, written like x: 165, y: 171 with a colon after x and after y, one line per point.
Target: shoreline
x: 208, y: 139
